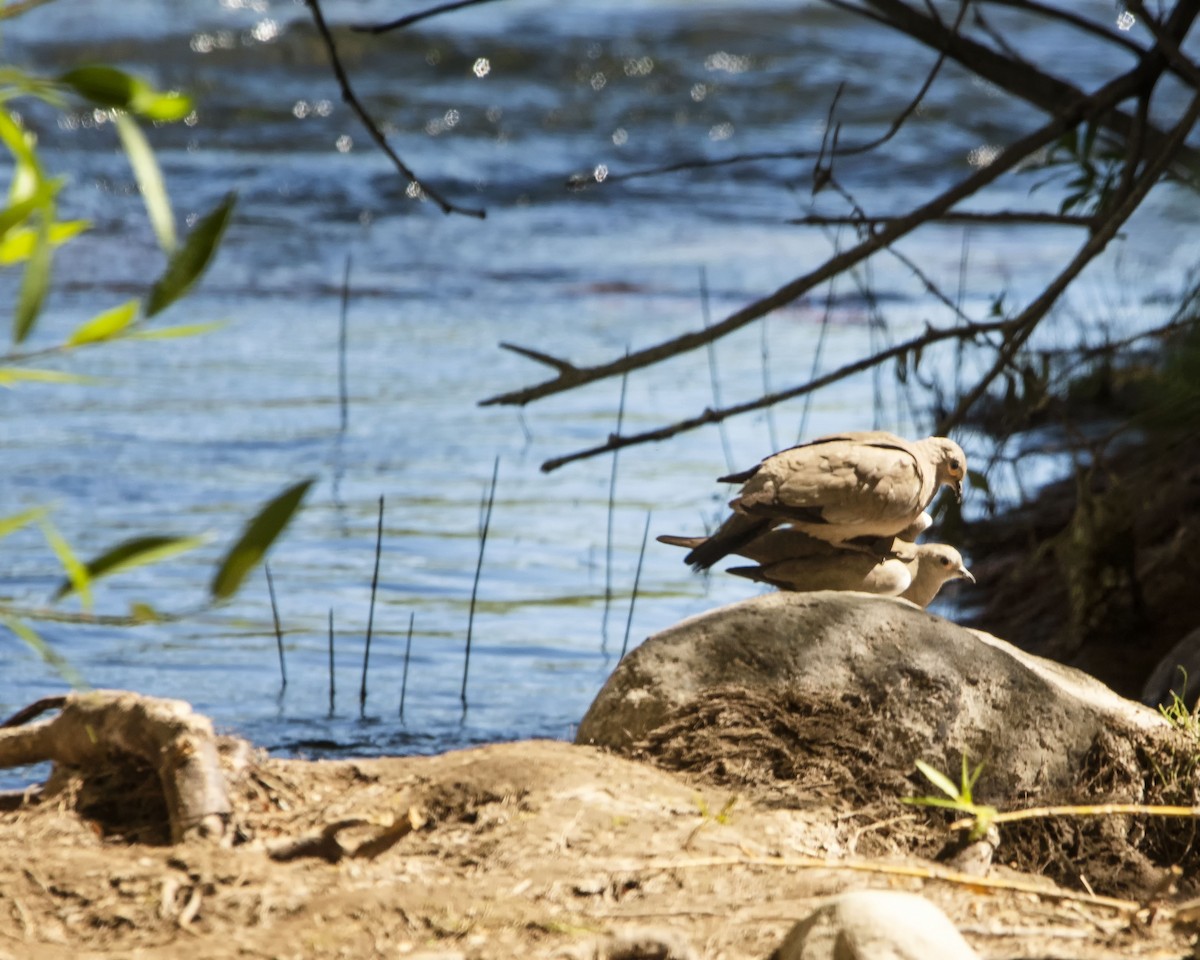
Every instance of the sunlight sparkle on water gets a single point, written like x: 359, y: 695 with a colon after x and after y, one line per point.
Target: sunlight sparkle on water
x: 482, y: 67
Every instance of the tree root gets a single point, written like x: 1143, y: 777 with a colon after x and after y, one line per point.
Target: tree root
x: 93, y: 730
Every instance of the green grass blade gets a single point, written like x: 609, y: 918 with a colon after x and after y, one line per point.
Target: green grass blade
x: 76, y: 570
x: 35, y: 282
x: 148, y: 175
x: 192, y: 258
x: 13, y: 375
x: 26, y: 633
x: 939, y: 780
x: 180, y: 330
x: 14, y: 522
x: 135, y: 552
x: 256, y: 539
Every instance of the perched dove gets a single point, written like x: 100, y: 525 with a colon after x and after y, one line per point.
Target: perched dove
x: 916, y: 574
x: 788, y: 543
x: 837, y: 488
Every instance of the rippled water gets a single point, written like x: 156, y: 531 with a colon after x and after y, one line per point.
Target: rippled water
x: 496, y: 106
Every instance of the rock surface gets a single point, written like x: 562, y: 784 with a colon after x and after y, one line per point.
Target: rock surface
x: 875, y: 925
x: 928, y: 688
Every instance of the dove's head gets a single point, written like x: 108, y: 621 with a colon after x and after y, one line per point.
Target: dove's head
x: 943, y: 562
x: 950, y: 461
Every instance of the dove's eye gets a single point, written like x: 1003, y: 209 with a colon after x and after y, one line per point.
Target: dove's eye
x: 955, y: 465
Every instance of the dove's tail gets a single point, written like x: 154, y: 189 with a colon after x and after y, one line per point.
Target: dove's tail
x: 690, y: 542
x: 731, y: 536
x: 757, y: 574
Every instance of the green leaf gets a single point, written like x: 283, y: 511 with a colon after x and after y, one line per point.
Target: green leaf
x: 35, y: 282
x: 161, y: 107
x: 939, y: 780
x: 135, y: 552
x: 191, y: 259
x: 21, y: 243
x: 14, y: 522
x: 17, y: 213
x: 181, y: 330
x: 103, y: 85
x: 77, y: 572
x: 12, y: 375
x: 25, y: 632
x: 149, y: 180
x: 20, y: 144
x: 256, y: 539
x: 144, y: 613
x: 106, y: 325
x: 109, y: 87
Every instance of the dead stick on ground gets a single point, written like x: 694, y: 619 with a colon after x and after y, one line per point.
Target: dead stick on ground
x: 897, y: 870
x: 94, y: 728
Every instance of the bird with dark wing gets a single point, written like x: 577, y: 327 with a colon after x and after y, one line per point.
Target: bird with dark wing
x: 836, y: 489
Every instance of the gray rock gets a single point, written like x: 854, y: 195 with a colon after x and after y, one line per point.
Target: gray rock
x: 931, y: 687
x: 875, y: 925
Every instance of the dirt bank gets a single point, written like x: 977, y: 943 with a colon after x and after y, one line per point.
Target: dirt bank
x: 521, y: 849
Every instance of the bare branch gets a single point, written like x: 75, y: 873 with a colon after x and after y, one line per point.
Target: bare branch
x: 1076, y: 112
x: 1022, y: 326
x: 1073, y: 19
x: 351, y: 98
x: 407, y: 21
x: 1038, y: 88
x: 562, y: 366
x: 957, y: 216
x: 930, y: 336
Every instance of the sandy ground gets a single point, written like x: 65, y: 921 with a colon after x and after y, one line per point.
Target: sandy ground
x: 521, y: 849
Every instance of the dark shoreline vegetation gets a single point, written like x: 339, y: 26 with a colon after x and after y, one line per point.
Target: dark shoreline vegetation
x: 1099, y: 569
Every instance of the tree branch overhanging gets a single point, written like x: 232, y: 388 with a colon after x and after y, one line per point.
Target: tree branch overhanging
x: 1080, y: 111
x: 372, y: 128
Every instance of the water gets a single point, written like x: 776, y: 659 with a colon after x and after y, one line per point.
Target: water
x: 191, y: 436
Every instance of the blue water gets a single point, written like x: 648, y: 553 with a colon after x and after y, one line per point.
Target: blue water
x: 191, y: 436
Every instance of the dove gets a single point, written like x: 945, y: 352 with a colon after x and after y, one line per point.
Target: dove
x: 915, y: 573
x: 837, y: 488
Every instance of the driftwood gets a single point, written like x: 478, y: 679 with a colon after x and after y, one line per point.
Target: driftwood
x: 94, y: 729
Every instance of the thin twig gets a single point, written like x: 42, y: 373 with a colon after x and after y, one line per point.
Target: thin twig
x: 637, y: 577
x: 412, y: 616
x: 278, y: 628
x: 567, y: 379
x: 362, y: 690
x: 1021, y: 327
x: 929, y: 872
x: 608, y: 540
x: 712, y: 416
x: 343, y: 394
x: 483, y: 535
x: 407, y: 21
x: 1001, y: 217
x: 351, y: 98
x: 772, y: 437
x: 332, y: 683
x: 714, y: 378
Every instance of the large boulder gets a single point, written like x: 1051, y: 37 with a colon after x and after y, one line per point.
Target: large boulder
x: 880, y: 669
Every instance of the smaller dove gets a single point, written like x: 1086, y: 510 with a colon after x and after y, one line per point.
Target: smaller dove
x: 916, y: 574
x: 788, y: 543
x: 837, y: 488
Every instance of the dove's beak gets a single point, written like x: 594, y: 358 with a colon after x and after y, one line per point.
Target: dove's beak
x: 966, y: 574
x: 958, y: 493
